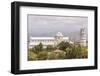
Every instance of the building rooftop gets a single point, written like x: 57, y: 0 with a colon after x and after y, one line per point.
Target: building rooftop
x: 45, y: 38
x: 59, y: 34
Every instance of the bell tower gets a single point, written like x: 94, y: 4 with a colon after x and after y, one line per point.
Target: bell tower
x: 83, y: 37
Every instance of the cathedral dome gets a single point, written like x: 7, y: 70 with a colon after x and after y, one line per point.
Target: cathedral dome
x: 59, y: 34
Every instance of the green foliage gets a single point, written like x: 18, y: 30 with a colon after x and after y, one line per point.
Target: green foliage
x: 60, y: 55
x: 42, y: 55
x: 39, y: 47
x: 31, y: 55
x: 50, y: 48
x: 63, y: 45
x: 75, y: 52
x: 66, y: 51
x: 51, y: 55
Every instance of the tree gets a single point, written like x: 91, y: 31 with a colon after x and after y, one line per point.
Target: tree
x: 63, y: 45
x: 76, y: 51
x: 50, y: 48
x: 39, y: 47
x: 84, y: 52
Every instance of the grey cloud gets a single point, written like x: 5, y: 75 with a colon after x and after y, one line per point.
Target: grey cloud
x: 40, y: 25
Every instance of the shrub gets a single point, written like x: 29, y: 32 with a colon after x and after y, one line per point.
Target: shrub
x: 42, y: 55
x: 51, y: 55
x: 58, y: 55
x: 31, y: 55
x: 50, y: 48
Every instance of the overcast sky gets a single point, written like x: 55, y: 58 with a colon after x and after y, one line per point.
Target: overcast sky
x: 41, y: 25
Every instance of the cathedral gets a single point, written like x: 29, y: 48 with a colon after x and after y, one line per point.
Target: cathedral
x: 33, y: 41
x: 48, y: 40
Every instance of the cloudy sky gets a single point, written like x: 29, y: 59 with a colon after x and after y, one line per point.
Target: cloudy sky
x: 48, y: 26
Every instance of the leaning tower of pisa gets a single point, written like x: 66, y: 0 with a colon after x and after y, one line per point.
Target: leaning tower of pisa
x: 82, y: 37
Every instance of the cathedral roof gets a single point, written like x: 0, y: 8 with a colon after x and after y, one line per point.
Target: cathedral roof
x: 59, y: 34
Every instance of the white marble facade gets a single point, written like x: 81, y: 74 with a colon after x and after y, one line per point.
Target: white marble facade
x: 83, y: 37
x: 48, y: 40
x: 33, y: 41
